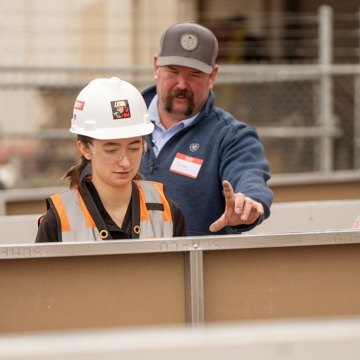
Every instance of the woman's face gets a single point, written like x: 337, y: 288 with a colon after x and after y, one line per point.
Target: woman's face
x: 114, y: 162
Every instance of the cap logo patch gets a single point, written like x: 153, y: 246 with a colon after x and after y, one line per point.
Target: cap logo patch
x: 120, y: 109
x: 189, y: 42
x: 79, y: 105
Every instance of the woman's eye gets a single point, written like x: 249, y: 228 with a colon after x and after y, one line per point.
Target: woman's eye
x: 134, y: 149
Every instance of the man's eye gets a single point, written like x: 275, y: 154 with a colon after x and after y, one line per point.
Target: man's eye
x: 173, y: 71
x: 110, y: 151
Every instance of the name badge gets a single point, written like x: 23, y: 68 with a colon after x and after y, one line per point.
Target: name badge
x: 186, y: 165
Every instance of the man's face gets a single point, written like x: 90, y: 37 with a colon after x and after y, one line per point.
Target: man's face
x: 182, y: 91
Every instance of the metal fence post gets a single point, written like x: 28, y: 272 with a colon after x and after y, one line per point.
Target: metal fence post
x: 325, y: 118
x: 356, y: 138
x: 194, y: 288
x: 357, y: 122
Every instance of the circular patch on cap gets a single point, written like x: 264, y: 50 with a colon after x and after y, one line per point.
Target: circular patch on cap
x: 189, y: 42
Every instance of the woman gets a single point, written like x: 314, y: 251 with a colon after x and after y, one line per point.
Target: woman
x: 110, y: 119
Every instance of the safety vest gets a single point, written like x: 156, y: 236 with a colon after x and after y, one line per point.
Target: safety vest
x: 78, y: 225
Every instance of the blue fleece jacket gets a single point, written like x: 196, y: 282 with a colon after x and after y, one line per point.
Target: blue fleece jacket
x: 229, y: 150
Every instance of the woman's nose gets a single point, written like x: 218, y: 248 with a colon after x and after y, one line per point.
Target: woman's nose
x: 123, y: 159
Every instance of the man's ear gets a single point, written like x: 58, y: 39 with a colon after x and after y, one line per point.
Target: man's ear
x: 213, y: 75
x: 155, y: 67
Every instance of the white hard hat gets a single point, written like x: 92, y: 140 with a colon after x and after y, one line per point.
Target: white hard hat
x: 110, y: 109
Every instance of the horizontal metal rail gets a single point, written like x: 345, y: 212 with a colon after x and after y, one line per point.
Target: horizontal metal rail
x: 185, y: 244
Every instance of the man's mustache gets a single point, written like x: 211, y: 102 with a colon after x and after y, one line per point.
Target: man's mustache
x: 182, y: 93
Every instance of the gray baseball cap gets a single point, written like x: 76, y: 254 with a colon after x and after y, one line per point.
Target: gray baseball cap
x: 188, y: 44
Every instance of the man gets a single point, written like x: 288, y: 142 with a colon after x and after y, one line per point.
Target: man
x: 200, y: 152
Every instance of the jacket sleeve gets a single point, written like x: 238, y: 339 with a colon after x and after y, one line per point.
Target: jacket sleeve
x: 48, y: 230
x: 245, y: 165
x: 178, y: 219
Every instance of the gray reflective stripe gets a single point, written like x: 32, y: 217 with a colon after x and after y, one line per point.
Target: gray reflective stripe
x: 151, y: 194
x: 80, y: 232
x: 72, y: 206
x: 156, y: 227
x: 81, y: 235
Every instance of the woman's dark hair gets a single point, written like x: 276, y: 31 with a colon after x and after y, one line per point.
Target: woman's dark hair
x: 77, y: 174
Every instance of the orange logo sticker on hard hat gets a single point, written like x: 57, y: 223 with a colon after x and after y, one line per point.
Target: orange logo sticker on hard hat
x: 79, y: 105
x: 120, y: 109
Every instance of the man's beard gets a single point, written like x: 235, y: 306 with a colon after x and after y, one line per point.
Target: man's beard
x: 186, y: 94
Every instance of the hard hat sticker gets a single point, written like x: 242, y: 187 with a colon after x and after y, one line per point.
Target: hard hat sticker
x: 79, y: 105
x: 120, y: 109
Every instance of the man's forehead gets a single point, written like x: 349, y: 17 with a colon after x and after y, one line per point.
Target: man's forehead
x: 184, y: 69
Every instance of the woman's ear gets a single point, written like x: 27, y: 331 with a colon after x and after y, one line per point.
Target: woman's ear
x: 145, y: 146
x: 84, y: 149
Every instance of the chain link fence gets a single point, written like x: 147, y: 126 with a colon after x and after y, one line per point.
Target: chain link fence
x: 288, y: 114
x: 283, y: 103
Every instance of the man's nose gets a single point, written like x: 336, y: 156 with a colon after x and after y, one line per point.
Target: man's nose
x: 182, y: 82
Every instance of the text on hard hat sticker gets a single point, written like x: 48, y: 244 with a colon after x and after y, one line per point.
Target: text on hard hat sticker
x: 79, y: 105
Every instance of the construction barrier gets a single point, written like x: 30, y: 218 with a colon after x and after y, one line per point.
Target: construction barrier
x: 189, y: 281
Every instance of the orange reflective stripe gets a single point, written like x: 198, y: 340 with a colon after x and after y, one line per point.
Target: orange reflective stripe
x: 167, y: 212
x: 59, y: 205
x: 88, y: 218
x: 144, y: 214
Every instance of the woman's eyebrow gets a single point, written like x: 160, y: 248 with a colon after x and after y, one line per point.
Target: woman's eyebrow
x: 111, y: 143
x: 135, y: 142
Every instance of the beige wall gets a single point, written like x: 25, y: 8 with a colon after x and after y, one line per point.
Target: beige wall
x: 76, y: 34
x: 86, y: 32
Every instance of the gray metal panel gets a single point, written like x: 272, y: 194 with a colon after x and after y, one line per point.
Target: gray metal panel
x: 208, y: 243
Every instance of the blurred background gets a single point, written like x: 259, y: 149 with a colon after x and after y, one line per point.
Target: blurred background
x: 290, y: 68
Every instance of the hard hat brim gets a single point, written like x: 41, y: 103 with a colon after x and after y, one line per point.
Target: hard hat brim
x: 115, y: 133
